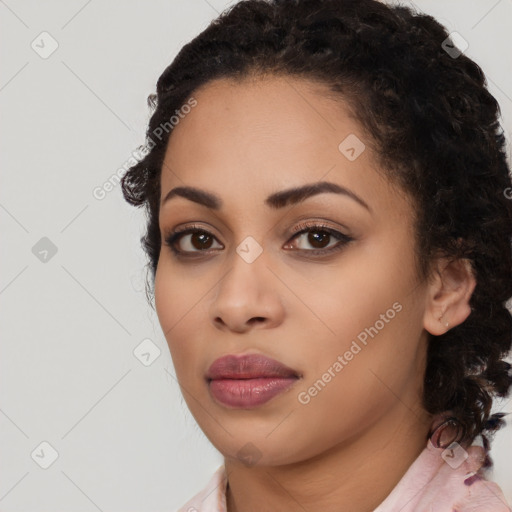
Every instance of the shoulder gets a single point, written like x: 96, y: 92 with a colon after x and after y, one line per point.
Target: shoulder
x: 447, y: 480
x: 474, y: 491
x: 212, y: 498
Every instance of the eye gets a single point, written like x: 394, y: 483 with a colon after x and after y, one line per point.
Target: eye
x: 200, y: 240
x: 318, y: 236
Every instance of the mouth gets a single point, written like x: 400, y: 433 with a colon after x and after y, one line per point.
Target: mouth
x: 248, y: 381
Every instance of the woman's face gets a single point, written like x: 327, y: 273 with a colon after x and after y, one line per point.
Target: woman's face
x: 348, y: 319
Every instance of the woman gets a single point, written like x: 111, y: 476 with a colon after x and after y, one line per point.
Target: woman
x: 329, y: 244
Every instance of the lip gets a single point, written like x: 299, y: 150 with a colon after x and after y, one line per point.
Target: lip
x: 248, y: 366
x: 248, y: 380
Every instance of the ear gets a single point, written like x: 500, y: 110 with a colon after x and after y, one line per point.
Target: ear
x: 449, y: 292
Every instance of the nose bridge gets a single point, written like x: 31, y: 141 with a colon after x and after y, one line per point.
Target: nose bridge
x: 247, y: 269
x: 246, y: 291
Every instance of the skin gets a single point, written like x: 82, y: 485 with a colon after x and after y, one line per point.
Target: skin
x: 244, y: 141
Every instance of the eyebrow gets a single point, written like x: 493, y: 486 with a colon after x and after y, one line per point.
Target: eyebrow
x: 275, y: 201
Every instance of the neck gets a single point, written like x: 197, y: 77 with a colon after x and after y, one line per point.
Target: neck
x: 356, y: 475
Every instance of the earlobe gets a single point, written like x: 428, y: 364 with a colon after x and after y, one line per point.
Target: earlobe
x: 449, y: 293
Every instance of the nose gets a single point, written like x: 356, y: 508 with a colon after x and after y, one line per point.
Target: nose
x: 247, y: 298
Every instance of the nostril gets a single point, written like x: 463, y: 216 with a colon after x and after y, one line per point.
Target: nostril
x: 256, y: 319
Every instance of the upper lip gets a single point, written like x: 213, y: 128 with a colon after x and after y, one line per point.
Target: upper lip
x: 248, y: 366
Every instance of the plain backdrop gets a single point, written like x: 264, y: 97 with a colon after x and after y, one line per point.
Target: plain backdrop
x: 114, y: 434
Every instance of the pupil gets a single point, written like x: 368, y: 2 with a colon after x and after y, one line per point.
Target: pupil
x: 201, y: 237
x: 315, y: 236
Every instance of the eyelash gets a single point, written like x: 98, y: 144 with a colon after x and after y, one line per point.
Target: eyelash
x: 174, y: 236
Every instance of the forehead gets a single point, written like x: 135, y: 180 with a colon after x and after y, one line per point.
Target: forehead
x: 264, y: 134
x: 260, y: 124
x: 275, y: 107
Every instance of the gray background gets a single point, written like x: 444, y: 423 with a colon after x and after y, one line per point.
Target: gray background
x: 69, y: 377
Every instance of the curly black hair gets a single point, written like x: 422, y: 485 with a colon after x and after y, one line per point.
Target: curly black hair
x: 435, y: 129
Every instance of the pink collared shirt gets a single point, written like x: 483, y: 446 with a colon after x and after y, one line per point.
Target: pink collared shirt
x: 437, y: 481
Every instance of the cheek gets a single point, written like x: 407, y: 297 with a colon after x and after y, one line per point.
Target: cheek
x: 166, y: 297
x: 177, y: 305
x: 179, y: 295
x: 370, y: 307
x: 352, y: 295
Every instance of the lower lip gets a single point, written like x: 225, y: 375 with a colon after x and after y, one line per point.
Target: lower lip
x: 247, y: 393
